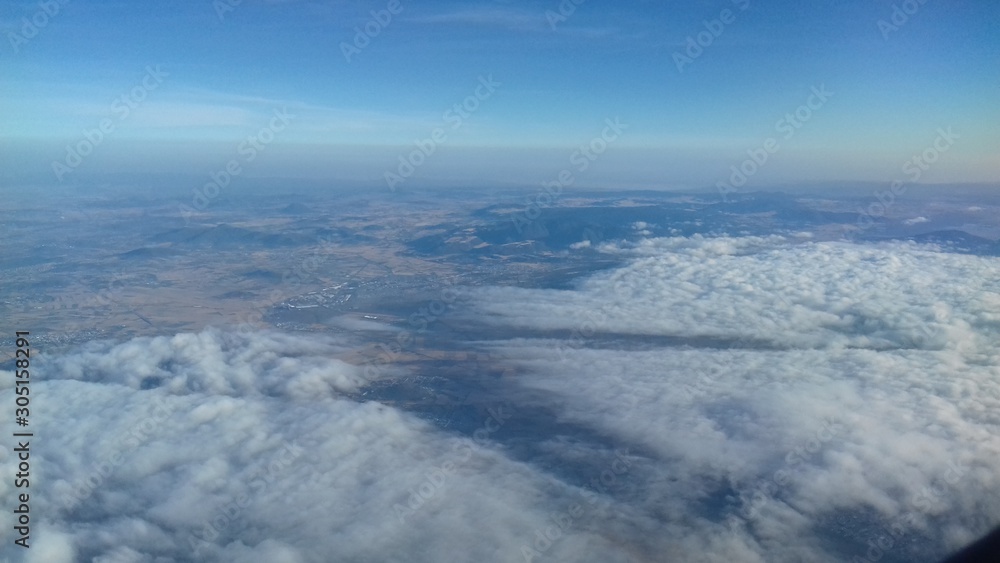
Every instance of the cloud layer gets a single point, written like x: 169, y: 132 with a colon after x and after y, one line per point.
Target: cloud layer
x: 225, y: 447
x: 732, y: 399
x: 806, y: 397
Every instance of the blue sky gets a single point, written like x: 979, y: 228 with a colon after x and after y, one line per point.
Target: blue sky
x: 220, y: 79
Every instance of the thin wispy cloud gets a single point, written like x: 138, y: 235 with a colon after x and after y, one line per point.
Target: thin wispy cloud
x: 511, y: 19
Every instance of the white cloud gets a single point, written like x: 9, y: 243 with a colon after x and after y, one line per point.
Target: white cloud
x: 774, y: 397
x: 722, y: 357
x: 771, y: 291
x: 292, y: 366
x: 225, y: 447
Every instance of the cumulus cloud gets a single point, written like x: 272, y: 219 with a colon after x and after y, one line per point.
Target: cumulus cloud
x: 755, y: 399
x: 219, y: 363
x: 642, y: 228
x: 771, y: 291
x: 801, y: 395
x: 241, y: 447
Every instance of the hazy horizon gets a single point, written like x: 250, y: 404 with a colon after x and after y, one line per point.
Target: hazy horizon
x: 848, y: 92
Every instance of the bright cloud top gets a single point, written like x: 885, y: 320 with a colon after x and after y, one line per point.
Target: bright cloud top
x: 242, y: 447
x: 730, y: 399
x: 769, y: 290
x: 802, y: 399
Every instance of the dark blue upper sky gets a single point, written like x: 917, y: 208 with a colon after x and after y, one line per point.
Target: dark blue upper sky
x: 225, y: 67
